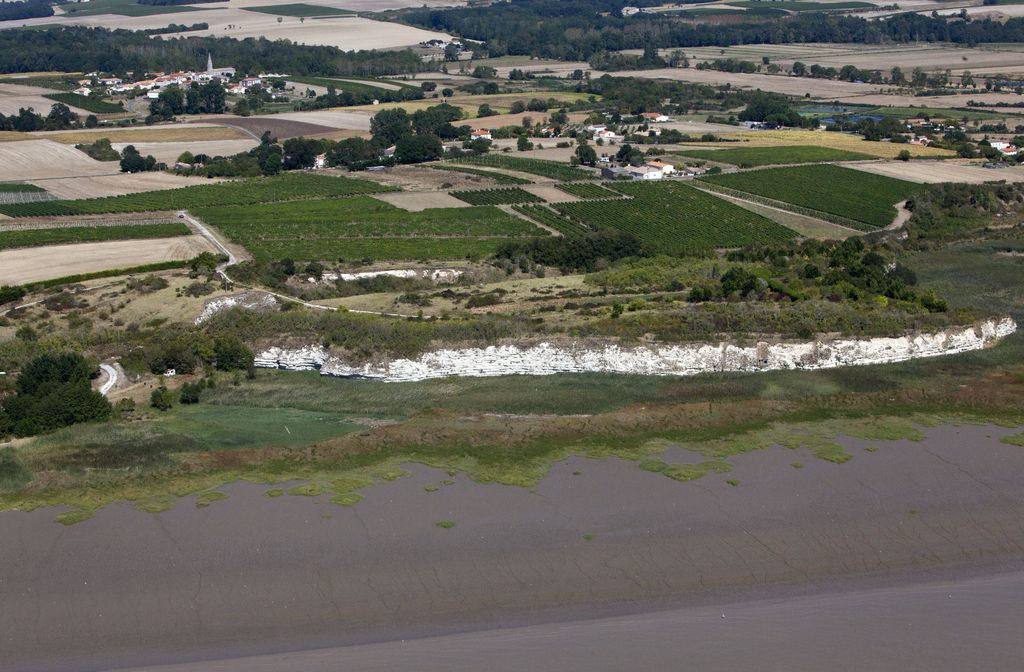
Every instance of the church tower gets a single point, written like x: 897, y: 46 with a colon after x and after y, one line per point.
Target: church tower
x: 209, y: 64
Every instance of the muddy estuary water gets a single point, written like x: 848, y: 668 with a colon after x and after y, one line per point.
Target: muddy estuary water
x: 908, y: 557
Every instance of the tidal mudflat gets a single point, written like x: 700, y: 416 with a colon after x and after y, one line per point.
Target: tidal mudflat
x: 433, y: 555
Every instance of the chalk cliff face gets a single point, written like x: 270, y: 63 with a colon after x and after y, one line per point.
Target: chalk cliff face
x: 659, y: 360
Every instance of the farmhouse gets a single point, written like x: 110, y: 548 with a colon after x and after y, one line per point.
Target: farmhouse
x: 644, y: 173
x: 1005, y: 148
x: 82, y: 91
x: 654, y: 117
x: 480, y: 134
x: 665, y: 168
x: 607, y: 136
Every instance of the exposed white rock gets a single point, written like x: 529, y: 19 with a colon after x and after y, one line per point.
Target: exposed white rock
x: 662, y: 360
x: 439, y: 275
x: 248, y: 300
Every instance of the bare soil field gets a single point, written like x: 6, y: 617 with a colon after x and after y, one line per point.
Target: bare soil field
x: 16, y: 96
x: 423, y: 179
x: 168, y: 152
x: 41, y: 159
x: 171, y: 133
x: 56, y: 261
x: 416, y: 201
x: 114, y: 185
x: 549, y: 193
x: 336, y: 119
x: 933, y: 172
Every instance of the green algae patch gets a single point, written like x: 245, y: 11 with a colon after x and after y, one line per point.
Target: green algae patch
x: 274, y: 492
x: 445, y: 524
x: 156, y: 503
x: 74, y: 516
x: 204, y: 499
x: 1013, y: 440
x: 307, y: 490
x: 347, y: 499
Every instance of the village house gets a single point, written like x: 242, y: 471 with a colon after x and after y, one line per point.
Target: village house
x: 607, y: 136
x: 480, y: 134
x: 644, y: 173
x: 654, y: 117
x: 1005, y: 148
x: 82, y: 91
x: 665, y: 168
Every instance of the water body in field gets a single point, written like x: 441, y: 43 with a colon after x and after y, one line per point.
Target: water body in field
x: 909, y: 556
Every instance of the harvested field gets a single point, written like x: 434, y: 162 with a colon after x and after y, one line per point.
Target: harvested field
x: 932, y: 172
x: 348, y: 33
x: 845, y: 141
x: 426, y: 178
x: 41, y: 159
x: 336, y: 119
x: 766, y: 156
x: 168, y: 152
x: 417, y: 201
x: 115, y: 185
x: 175, y: 133
x: 874, y: 57
x: 57, y: 261
x: 16, y: 96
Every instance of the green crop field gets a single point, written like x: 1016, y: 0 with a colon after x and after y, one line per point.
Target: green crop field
x: 798, y: 6
x: 299, y: 9
x: 124, y: 8
x: 497, y: 196
x: 19, y: 188
x: 588, y: 191
x: 363, y: 227
x: 85, y: 103
x: 287, y: 187
x: 89, y: 234
x: 766, y: 156
x: 551, y: 169
x: 672, y: 218
x: 835, y: 190
x: 548, y: 217
x: 500, y: 178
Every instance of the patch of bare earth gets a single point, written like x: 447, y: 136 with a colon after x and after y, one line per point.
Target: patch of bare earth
x: 33, y: 264
x: 416, y: 201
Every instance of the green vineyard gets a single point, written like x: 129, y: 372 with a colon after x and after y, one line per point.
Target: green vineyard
x: 588, y: 191
x: 550, y: 169
x: 500, y: 178
x: 287, y: 187
x: 768, y: 156
x: 363, y: 227
x: 497, y: 196
x: 673, y: 218
x: 89, y: 234
x: 551, y: 219
x: 834, y: 190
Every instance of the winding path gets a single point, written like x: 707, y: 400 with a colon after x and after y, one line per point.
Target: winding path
x: 112, y: 378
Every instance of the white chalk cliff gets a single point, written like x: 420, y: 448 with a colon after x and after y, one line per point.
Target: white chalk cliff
x: 686, y: 359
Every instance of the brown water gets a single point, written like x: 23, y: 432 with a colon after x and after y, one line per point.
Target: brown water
x: 254, y: 575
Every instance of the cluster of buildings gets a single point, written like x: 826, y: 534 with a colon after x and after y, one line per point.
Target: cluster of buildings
x: 651, y: 170
x: 182, y: 79
x: 1005, y: 148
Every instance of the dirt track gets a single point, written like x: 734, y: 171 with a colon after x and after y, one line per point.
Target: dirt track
x: 32, y: 264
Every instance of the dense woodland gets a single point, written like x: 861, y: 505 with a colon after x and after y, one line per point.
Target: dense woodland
x: 578, y: 30
x: 77, y: 49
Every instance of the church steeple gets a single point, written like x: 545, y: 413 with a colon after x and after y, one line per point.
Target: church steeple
x: 209, y: 64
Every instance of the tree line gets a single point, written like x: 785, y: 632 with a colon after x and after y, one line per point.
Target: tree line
x: 579, y: 30
x: 78, y: 48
